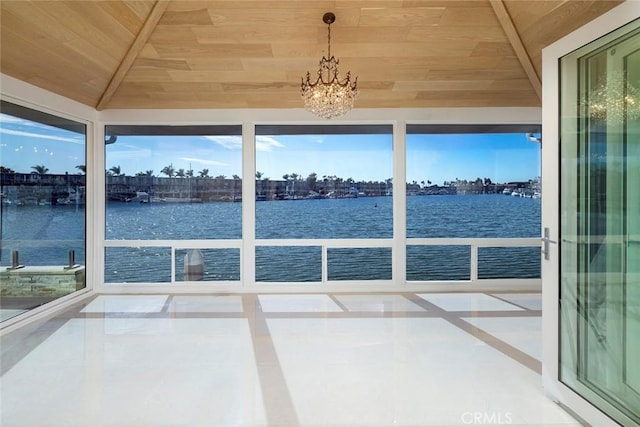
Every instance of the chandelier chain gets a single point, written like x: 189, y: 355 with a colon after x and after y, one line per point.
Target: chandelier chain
x: 329, y: 40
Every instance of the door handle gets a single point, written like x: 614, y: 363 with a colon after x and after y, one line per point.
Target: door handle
x: 546, y: 241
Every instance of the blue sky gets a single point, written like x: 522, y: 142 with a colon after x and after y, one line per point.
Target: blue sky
x: 25, y: 143
x: 501, y: 157
x: 437, y: 158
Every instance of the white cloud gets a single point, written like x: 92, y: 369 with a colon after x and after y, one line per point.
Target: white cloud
x: 263, y: 143
x: 11, y: 119
x: 267, y: 143
x: 40, y: 135
x: 203, y: 162
x: 228, y: 142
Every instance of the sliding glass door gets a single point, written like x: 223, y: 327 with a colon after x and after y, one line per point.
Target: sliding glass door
x: 600, y: 223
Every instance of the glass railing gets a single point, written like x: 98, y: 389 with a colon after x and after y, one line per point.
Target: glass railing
x: 321, y: 261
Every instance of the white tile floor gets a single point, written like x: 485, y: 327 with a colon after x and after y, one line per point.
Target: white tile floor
x: 287, y: 360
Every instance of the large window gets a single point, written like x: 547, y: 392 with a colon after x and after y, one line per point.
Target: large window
x: 322, y: 204
x: 472, y: 191
x: 173, y: 190
x: 42, y: 214
x: 320, y: 183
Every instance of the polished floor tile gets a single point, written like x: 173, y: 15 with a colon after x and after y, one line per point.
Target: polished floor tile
x: 468, y: 302
x: 278, y: 360
x: 528, y: 301
x: 411, y: 371
x: 380, y: 303
x: 298, y: 303
x: 127, y: 304
x: 523, y: 333
x: 206, y: 304
x: 162, y: 372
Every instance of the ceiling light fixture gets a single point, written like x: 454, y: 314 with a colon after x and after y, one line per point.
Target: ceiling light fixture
x: 613, y: 99
x: 329, y: 96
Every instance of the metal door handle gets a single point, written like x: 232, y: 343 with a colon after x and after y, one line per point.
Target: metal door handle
x: 546, y: 240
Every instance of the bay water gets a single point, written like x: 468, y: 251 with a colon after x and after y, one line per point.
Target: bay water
x: 45, y: 234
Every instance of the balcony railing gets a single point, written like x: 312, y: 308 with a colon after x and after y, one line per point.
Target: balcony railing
x: 320, y: 256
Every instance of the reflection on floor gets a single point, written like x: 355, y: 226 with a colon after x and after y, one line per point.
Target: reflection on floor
x: 256, y: 360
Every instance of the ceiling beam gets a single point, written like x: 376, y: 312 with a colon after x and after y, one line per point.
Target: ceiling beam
x: 516, y: 43
x: 133, y: 52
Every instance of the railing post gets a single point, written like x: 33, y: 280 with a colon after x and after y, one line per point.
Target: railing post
x: 15, y: 260
x: 325, y: 264
x: 72, y: 260
x: 474, y: 263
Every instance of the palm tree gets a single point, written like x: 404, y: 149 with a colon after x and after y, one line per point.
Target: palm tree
x: 146, y: 173
x: 204, y: 173
x: 168, y: 170
x: 8, y: 171
x: 82, y: 168
x: 39, y: 169
x: 115, y: 171
x: 180, y: 173
x: 258, y: 176
x: 189, y: 173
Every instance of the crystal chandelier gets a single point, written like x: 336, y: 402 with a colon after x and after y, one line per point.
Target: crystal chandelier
x: 329, y: 96
x: 614, y: 99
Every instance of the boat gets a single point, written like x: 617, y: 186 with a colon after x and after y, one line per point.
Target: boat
x: 175, y: 200
x: 141, y: 197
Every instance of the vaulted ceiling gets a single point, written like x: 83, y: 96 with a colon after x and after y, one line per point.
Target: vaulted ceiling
x: 252, y: 54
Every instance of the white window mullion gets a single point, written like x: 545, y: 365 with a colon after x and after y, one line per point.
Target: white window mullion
x: 399, y: 255
x: 95, y: 194
x: 248, y: 252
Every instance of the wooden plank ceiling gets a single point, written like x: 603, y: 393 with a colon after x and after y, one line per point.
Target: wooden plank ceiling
x: 252, y: 54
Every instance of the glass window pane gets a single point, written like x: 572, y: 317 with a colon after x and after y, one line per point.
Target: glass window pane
x: 42, y: 209
x: 324, y: 186
x: 137, y: 265
x: 288, y: 264
x: 509, y: 263
x: 438, y: 263
x: 473, y: 185
x: 359, y: 263
x: 599, y: 217
x: 207, y: 264
x: 173, y: 183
